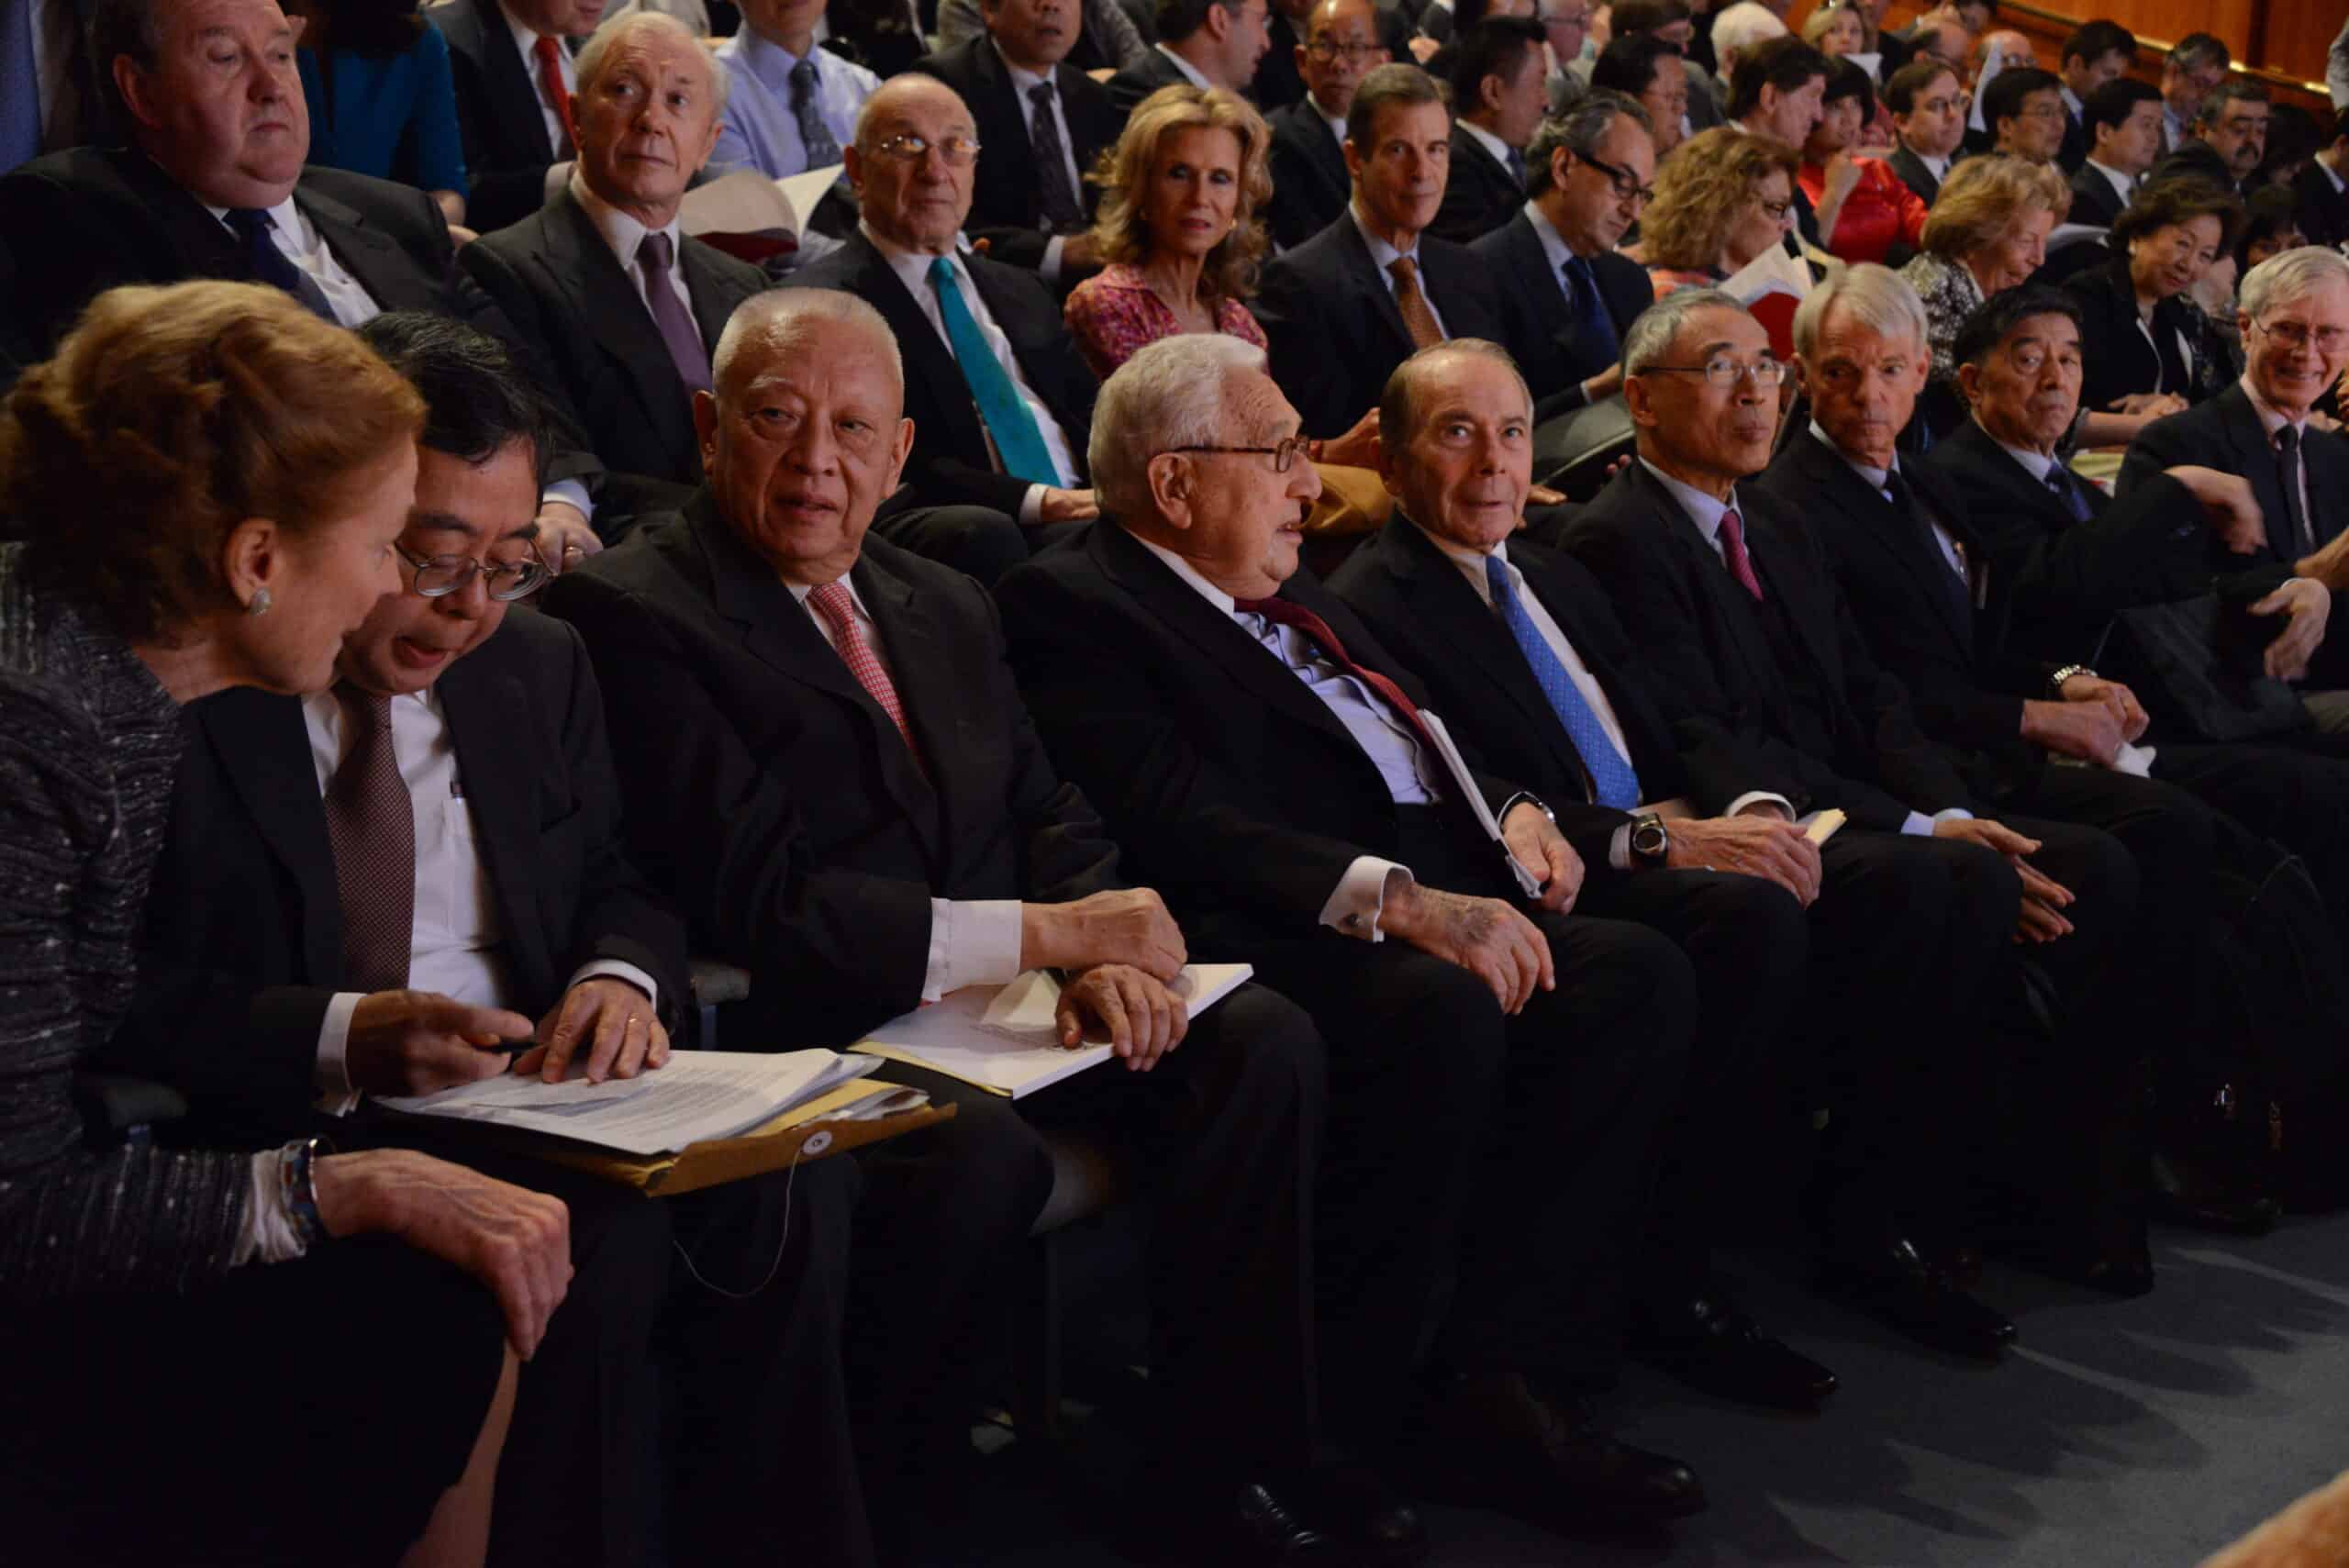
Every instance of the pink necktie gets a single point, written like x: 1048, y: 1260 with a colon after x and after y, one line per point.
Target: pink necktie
x: 833, y: 602
x: 1740, y: 566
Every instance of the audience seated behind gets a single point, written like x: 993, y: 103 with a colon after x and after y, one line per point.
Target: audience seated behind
x: 1651, y: 72
x: 2139, y: 341
x: 1567, y: 296
x: 1776, y: 90
x: 1203, y: 43
x: 1308, y: 154
x: 1928, y: 104
x: 2320, y: 187
x: 1031, y: 199
x: 997, y: 387
x: 514, y: 76
x: 577, y: 277
x: 1177, y: 227
x: 1723, y: 197
x: 1988, y: 231
x: 790, y: 105
x: 1101, y: 34
x: 2022, y: 110
x: 1497, y: 102
x: 2097, y: 52
x: 839, y: 785
x: 2229, y: 135
x: 1261, y: 760
x: 885, y: 36
x: 377, y: 86
x: 1865, y: 211
x: 1339, y: 316
x: 176, y: 463
x: 2124, y: 131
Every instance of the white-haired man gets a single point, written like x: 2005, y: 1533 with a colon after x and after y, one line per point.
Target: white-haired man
x: 1267, y: 765
x: 1736, y: 29
x: 831, y: 774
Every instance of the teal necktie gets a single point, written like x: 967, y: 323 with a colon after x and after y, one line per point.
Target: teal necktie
x: 1017, y: 440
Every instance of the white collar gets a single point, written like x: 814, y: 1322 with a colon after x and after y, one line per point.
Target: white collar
x: 1382, y: 254
x: 1702, y: 510
x: 2271, y: 418
x: 1188, y: 574
x: 1878, y: 478
x: 1467, y: 557
x: 1022, y: 79
x: 1554, y: 244
x: 526, y: 37
x: 799, y: 591
x: 623, y: 233
x: 2036, y: 463
x: 1190, y: 72
x: 912, y: 267
x: 2124, y: 186
x: 1487, y: 140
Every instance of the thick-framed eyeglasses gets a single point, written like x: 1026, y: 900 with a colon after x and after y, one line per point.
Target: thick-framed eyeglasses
x: 1284, y: 454
x: 1627, y: 184
x: 960, y: 152
x: 438, y: 577
x: 1322, y: 51
x: 2297, y: 335
x: 1725, y: 372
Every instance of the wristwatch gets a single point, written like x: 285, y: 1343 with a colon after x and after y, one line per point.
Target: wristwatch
x: 1650, y: 841
x: 2056, y: 681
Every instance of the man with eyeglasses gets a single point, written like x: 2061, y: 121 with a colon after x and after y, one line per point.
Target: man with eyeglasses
x: 995, y: 384
x: 1568, y: 297
x: 2293, y: 312
x: 1649, y: 71
x: 1777, y: 709
x: 1779, y: 88
x: 1928, y: 104
x: 2195, y: 66
x: 2230, y: 138
x: 2023, y: 110
x: 397, y: 886
x: 1343, y: 45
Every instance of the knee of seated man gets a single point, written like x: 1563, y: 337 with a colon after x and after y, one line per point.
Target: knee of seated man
x: 1271, y: 1042
x: 1765, y: 924
x: 1635, y: 977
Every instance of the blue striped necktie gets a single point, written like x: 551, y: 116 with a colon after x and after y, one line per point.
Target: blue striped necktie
x: 1612, y: 781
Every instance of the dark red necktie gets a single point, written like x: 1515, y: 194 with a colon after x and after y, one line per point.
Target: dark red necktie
x: 1288, y: 613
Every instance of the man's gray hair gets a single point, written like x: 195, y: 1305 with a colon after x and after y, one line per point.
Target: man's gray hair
x: 1739, y: 28
x: 1174, y: 393
x: 589, y: 65
x: 2289, y: 276
x: 1875, y: 297
x: 773, y: 320
x: 1398, y: 416
x: 1650, y: 340
x: 1579, y: 131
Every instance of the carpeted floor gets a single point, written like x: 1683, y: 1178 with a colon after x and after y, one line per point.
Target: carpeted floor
x: 2143, y: 1433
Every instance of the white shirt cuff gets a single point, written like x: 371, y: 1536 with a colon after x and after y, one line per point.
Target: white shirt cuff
x: 332, y: 1078
x: 1761, y: 798
x: 972, y: 942
x: 1359, y: 897
x: 1619, y: 848
x: 1050, y: 269
x: 268, y: 1235
x: 619, y: 969
x: 571, y: 492
x: 1031, y: 506
x: 1918, y: 825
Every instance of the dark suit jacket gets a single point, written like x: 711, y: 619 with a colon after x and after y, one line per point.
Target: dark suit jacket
x: 1711, y: 664
x: 1968, y: 689
x: 558, y: 281
x: 2074, y: 151
x: 1310, y: 185
x: 1335, y: 332
x: 2063, y: 581
x: 1418, y: 605
x: 2200, y: 159
x: 882, y: 36
x: 506, y: 150
x: 2093, y: 198
x: 775, y: 800
x: 2324, y: 212
x: 1478, y: 195
x: 1007, y: 201
x: 1914, y: 174
x: 2225, y: 434
x: 1278, y: 82
x: 1134, y: 83
x: 1538, y: 318
x: 2115, y: 358
x: 1234, y: 790
x: 242, y: 949
x: 951, y: 462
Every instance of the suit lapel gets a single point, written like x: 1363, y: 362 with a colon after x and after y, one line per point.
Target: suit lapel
x: 390, y: 277
x: 921, y: 662
x: 1536, y: 285
x: 1873, y: 519
x: 263, y: 746
x: 2256, y: 462
x: 715, y: 296
x: 931, y: 365
x: 1370, y: 284
x: 483, y: 705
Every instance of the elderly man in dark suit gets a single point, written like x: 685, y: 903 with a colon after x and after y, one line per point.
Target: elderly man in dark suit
x: 1206, y: 43
x: 995, y: 387
x: 839, y: 784
x: 1268, y: 765
x: 200, y: 195
x: 1447, y: 589
x: 1343, y: 309
x: 1343, y: 44
x: 1497, y: 102
x: 515, y: 80
x: 1567, y: 298
x: 361, y: 887
x: 1042, y: 124
x: 614, y: 294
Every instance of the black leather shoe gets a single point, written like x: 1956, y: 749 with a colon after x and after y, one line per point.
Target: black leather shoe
x: 1258, y: 1525
x: 1356, y: 1507
x: 1706, y: 1342
x: 1891, y: 1281
x: 1497, y: 1438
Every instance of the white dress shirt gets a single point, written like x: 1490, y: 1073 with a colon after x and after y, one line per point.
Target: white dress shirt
x: 1190, y: 72
x: 1488, y: 140
x: 1355, y: 905
x: 526, y: 40
x: 1024, y: 81
x: 2271, y: 420
x: 299, y: 242
x: 457, y: 946
x: 2123, y: 185
x: 1383, y: 256
x: 972, y: 942
x: 912, y: 268
x: 625, y: 235
x: 759, y: 129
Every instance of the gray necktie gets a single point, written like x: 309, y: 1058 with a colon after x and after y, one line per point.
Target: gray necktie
x: 677, y: 330
x: 815, y: 136
x: 370, y: 827
x: 1062, y: 211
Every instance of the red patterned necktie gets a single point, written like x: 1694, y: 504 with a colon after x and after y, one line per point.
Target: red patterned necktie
x: 550, y: 57
x: 1740, y: 566
x: 1288, y: 613
x: 370, y: 827
x: 833, y: 602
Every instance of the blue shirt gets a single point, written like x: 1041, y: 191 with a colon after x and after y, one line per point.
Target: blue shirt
x: 395, y: 118
x: 759, y: 129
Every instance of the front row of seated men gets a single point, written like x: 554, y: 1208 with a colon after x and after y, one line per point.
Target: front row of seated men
x: 1460, y: 1150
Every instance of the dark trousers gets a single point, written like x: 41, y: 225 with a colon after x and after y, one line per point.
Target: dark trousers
x: 2297, y: 795
x: 978, y: 541
x: 1219, y: 1138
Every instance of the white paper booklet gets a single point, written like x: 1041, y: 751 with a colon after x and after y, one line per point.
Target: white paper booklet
x: 698, y: 1096
x: 747, y: 202
x: 1001, y: 1037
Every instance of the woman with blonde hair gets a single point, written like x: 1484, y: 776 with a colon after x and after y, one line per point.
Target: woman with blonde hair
x: 1721, y: 198
x: 1177, y: 227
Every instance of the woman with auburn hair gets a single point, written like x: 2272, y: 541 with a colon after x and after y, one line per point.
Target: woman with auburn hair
x: 1177, y: 225
x: 1723, y: 197
x: 284, y: 1356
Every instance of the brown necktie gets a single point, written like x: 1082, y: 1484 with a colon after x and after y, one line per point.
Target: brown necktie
x: 372, y: 830
x: 1418, y: 318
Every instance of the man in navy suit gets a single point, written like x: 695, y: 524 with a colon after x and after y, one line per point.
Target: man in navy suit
x: 1342, y: 46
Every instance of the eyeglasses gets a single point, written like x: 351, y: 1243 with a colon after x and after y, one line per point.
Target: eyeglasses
x: 1627, y: 184
x: 438, y: 577
x: 1284, y: 454
x: 2297, y: 335
x: 1323, y: 52
x: 1725, y: 372
x: 960, y: 152
x: 2045, y: 112
x: 1775, y: 211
